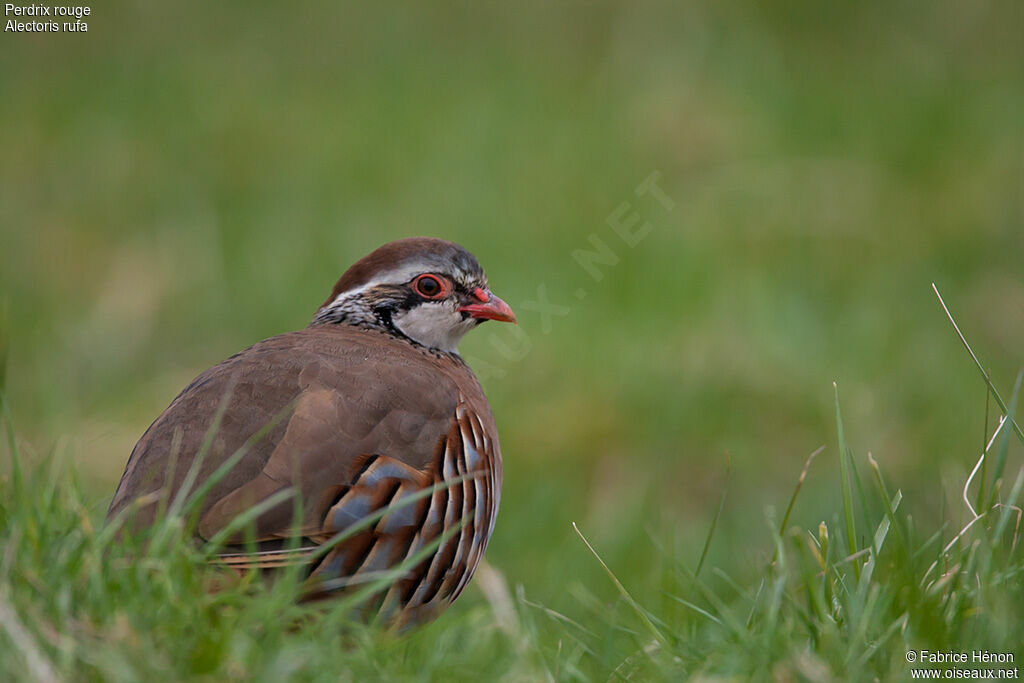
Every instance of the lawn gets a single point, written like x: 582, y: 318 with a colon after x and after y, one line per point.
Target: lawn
x: 186, y: 179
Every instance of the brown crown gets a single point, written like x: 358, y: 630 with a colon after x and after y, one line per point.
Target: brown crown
x: 434, y: 253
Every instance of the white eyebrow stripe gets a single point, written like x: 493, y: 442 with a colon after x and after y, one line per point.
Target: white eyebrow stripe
x: 392, y: 277
x: 399, y: 276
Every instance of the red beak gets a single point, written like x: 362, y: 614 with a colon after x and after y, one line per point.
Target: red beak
x: 491, y: 308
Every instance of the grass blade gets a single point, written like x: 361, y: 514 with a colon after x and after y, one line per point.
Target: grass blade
x: 1004, y: 446
x: 714, y: 521
x: 622, y: 590
x: 981, y: 368
x: 799, y: 484
x: 844, y: 473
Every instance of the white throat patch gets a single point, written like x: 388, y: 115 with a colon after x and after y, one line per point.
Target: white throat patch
x: 434, y: 324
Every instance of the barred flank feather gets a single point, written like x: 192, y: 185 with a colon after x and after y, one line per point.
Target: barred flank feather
x: 466, y: 479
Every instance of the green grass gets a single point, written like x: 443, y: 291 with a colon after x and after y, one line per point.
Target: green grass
x: 189, y: 178
x: 79, y: 601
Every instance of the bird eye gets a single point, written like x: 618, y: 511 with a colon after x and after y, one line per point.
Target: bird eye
x: 429, y: 286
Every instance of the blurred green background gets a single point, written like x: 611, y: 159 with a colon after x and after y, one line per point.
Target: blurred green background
x: 188, y: 178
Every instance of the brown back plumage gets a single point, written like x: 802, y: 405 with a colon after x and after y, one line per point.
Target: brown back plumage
x: 365, y: 418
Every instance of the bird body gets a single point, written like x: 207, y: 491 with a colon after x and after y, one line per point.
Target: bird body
x: 368, y: 405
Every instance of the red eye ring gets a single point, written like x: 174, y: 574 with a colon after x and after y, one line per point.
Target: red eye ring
x: 431, y: 286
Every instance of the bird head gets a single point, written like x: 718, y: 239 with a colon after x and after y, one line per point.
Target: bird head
x: 427, y: 290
